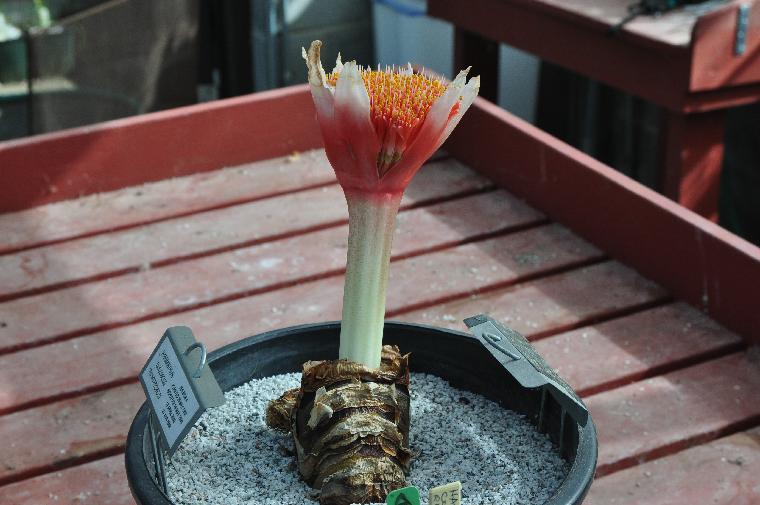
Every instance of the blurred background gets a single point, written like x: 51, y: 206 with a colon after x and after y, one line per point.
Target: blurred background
x: 67, y: 63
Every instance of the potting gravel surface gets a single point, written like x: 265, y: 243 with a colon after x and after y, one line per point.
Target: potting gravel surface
x: 231, y: 457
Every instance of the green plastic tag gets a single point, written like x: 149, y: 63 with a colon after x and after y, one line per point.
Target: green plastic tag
x: 404, y: 496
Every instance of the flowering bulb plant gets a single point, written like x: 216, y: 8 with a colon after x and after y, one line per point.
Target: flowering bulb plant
x: 379, y: 127
x: 350, y: 417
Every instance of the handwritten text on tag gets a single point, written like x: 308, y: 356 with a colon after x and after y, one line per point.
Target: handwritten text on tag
x: 449, y: 494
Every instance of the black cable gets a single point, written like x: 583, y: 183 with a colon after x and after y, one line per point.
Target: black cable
x: 649, y: 8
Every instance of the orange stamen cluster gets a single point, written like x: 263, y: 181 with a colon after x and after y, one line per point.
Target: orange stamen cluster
x: 402, y: 100
x: 399, y: 103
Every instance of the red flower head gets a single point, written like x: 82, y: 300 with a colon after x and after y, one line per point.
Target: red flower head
x: 380, y: 126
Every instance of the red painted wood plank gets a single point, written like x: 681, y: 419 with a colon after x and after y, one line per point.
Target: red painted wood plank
x: 182, y: 286
x: 715, y: 65
x: 545, y: 29
x: 721, y: 98
x: 58, y: 166
x: 698, y: 380
x: 669, y: 29
x: 65, y: 433
x: 102, y: 481
x: 164, y: 199
x: 723, y: 472
x: 693, y: 159
x: 631, y: 348
x: 689, y: 53
x: 695, y: 259
x: 155, y: 244
x: 156, y: 201
x: 591, y: 358
x: 551, y: 304
x: 115, y: 356
x: 665, y: 414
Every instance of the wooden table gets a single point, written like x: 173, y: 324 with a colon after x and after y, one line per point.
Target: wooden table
x: 226, y: 217
x: 683, y: 61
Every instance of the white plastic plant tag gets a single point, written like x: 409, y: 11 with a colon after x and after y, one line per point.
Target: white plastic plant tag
x: 448, y: 494
x: 178, y: 385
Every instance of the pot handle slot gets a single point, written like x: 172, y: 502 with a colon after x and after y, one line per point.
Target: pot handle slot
x: 525, y: 364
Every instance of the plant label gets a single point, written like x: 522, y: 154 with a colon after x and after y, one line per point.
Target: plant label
x: 404, y: 496
x: 178, y: 385
x: 448, y: 494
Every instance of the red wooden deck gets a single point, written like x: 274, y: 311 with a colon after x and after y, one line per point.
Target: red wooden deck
x: 682, y: 61
x: 88, y: 285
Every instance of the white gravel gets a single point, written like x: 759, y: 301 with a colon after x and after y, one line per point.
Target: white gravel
x: 231, y: 458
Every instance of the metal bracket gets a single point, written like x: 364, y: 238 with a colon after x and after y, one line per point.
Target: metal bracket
x: 521, y: 360
x: 202, y: 362
x: 742, y: 23
x: 158, y: 453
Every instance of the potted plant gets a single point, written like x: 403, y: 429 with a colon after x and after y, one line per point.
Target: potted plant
x: 350, y: 418
x: 379, y: 127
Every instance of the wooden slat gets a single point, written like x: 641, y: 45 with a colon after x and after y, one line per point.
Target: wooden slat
x: 73, y: 430
x: 552, y: 304
x: 698, y: 399
x: 182, y: 286
x: 624, y: 350
x: 686, y: 54
x: 150, y: 147
x: 669, y: 29
x: 692, y: 160
x: 662, y: 415
x: 155, y: 201
x: 723, y: 98
x: 161, y: 200
x: 163, y: 242
x: 554, y: 34
x: 115, y: 356
x: 693, y: 258
x: 723, y: 472
x: 112, y: 410
x: 102, y: 481
x: 715, y: 63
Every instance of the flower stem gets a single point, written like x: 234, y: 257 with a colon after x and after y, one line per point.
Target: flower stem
x: 371, y: 222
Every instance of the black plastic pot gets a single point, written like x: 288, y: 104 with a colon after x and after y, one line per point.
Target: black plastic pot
x: 458, y: 357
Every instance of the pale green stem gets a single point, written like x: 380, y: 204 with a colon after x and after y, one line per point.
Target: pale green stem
x: 371, y: 222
